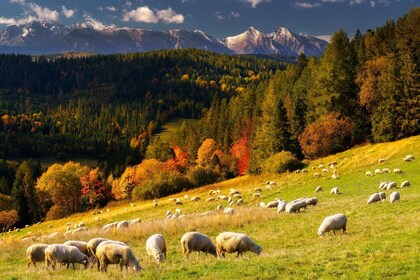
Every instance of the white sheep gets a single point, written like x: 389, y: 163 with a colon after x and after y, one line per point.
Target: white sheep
x: 397, y: 171
x: 219, y: 207
x: 135, y: 221
x: 36, y: 253
x: 177, y: 210
x: 269, y: 187
x: 195, y: 198
x: 109, y: 227
x: 378, y: 171
x: 186, y: 197
x: 394, y: 196
x: 305, y: 171
x: 155, y: 203
x: 381, y: 160
x: 374, y: 198
x: 178, y: 201
x: 318, y: 189
x: 333, y: 223
x: 59, y: 253
x: 368, y: 173
x: 257, y: 194
x: 123, y: 225
x: 232, y: 203
x: 383, y: 185
x: 311, y: 201
x: 295, y: 206
x: 53, y: 235
x: 405, y: 184
x: 156, y: 247
x: 229, y: 211
x: 113, y: 253
x: 81, y: 245
x: 391, y: 185
x: 92, y: 244
x: 198, y: 242
x: 257, y: 190
x: 335, y: 191
x: 272, y: 204
x: 317, y: 175
x: 232, y: 242
x: 210, y: 199
x: 233, y: 191
x: 240, y: 201
x: 386, y: 170
x: 382, y: 195
x: 281, y: 207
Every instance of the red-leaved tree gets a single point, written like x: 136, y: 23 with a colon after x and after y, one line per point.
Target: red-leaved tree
x: 240, y: 151
x: 95, y: 192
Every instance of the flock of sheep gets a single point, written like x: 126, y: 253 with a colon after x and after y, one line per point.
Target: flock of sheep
x: 102, y: 251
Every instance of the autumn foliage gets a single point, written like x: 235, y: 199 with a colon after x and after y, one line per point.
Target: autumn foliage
x: 8, y: 219
x: 95, y: 192
x: 327, y: 136
x: 240, y: 151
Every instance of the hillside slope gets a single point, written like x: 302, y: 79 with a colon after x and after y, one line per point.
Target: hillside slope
x: 381, y: 239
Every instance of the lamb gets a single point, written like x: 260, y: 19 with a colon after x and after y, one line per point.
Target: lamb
x: 113, y: 253
x: 391, y: 185
x: 195, y: 241
x: 64, y: 254
x: 333, y: 223
x: 374, y: 198
x: 311, y: 201
x: 36, y: 253
x: 231, y: 242
x: 393, y: 197
x: 156, y: 247
x: 335, y: 191
x: 318, y: 189
x: 81, y: 245
x: 405, y: 184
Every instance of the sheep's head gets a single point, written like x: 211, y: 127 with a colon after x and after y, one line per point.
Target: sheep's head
x: 320, y: 233
x: 137, y: 267
x: 159, y: 257
x: 258, y: 250
x: 86, y: 262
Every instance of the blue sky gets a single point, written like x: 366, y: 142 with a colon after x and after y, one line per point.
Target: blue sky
x: 220, y: 18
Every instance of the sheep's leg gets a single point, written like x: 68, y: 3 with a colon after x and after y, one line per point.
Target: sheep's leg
x: 334, y: 231
x: 74, y: 267
x: 198, y: 254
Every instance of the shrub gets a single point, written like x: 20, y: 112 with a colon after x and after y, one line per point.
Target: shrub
x: 8, y: 219
x: 282, y: 162
x: 162, y: 184
x: 327, y: 136
x: 200, y: 176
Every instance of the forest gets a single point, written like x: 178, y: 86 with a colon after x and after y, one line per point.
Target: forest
x: 254, y: 115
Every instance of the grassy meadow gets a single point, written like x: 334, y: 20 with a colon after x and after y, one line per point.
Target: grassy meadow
x: 381, y: 240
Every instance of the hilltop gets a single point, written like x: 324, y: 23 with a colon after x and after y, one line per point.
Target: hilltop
x: 381, y: 239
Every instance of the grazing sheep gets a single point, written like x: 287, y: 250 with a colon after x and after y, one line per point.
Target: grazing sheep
x: 391, y: 185
x: 168, y: 213
x: 172, y: 199
x: 374, y: 198
x: 123, y: 225
x: 258, y: 190
x: 155, y: 204
x: 233, y: 191
x: 325, y: 170
x: 232, y: 203
x: 383, y: 185
x: 195, y: 198
x: 231, y: 242
x: 382, y: 195
x: 405, y: 184
x: 229, y: 211
x: 398, y: 171
x: 36, y: 253
x: 156, y: 247
x: 178, y: 201
x: 335, y: 191
x: 240, y: 201
x: 368, y: 173
x: 311, y: 201
x: 381, y: 160
x: 210, y: 199
x: 64, y: 254
x: 272, y: 204
x: 237, y: 195
x: 223, y: 197
x: 305, y: 171
x: 318, y: 189
x: 281, y: 207
x: 295, y: 206
x: 271, y: 183
x: 268, y: 187
x: 386, y: 170
x: 394, y: 196
x: 333, y: 223
x: 112, y: 253
x: 93, y: 244
x: 335, y: 175
x: 257, y: 194
x: 317, y: 175
x: 195, y: 241
x: 186, y: 197
x: 178, y: 211
x: 205, y: 213
x: 81, y: 245
x: 109, y: 227
x: 378, y: 171
x: 219, y: 207
x: 135, y: 221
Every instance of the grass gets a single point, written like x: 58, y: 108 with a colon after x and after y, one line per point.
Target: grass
x: 381, y: 240
x: 167, y: 133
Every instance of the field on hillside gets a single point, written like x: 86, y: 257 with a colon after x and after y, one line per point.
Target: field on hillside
x: 167, y: 133
x: 381, y: 240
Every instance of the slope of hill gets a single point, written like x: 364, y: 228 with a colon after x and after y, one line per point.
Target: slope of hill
x: 381, y: 239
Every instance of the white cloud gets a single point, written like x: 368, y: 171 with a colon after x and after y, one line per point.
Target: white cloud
x: 147, y: 15
x: 235, y: 14
x: 68, y: 13
x: 306, y: 5
x: 141, y: 14
x: 170, y: 16
x: 96, y: 24
x: 255, y: 3
x: 7, y: 21
x: 333, y: 1
x: 111, y: 8
x: 43, y: 13
x: 17, y: 2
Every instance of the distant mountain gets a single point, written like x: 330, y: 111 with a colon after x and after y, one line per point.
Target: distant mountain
x: 47, y: 37
x: 280, y: 42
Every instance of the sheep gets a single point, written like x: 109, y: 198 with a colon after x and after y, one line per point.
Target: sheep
x: 268, y: 187
x: 386, y: 170
x: 391, y: 185
x: 293, y: 207
x: 405, y: 184
x: 368, y: 173
x: 168, y: 213
x: 36, y: 253
x: 231, y: 242
x: 92, y: 244
x: 79, y: 230
x: 240, y: 201
x: 53, y: 235
x: 156, y: 247
x: 257, y: 194
x: 110, y: 226
x: 232, y: 203
x: 195, y: 241
x: 335, y: 191
x: 178, y: 211
x: 378, y: 171
x: 229, y: 211
x: 135, y: 221
x: 272, y: 204
x: 318, y: 189
x: 381, y: 160
x: 113, y: 253
x: 81, y: 245
x: 305, y: 171
x: 317, y: 175
x: 325, y: 170
x: 123, y: 225
x: 397, y: 171
x: 68, y: 224
x: 64, y: 254
x: 374, y: 198
x: 311, y: 201
x: 219, y: 207
x: 195, y: 198
x: 223, y: 197
x: 257, y: 190
x: 155, y: 204
x: 237, y: 195
x: 233, y: 191
x: 186, y: 197
x: 178, y: 201
x: 382, y: 195
x: 81, y: 224
x: 335, y: 175
x: 210, y: 199
x: 394, y: 196
x: 383, y: 185
x: 205, y: 213
x: 333, y: 223
x: 281, y: 207
x: 172, y: 199
x: 271, y: 183
x: 410, y: 157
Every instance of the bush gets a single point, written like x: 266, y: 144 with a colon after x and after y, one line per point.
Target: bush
x: 328, y: 135
x: 282, y: 162
x: 57, y: 212
x: 200, y: 176
x: 8, y: 219
x: 162, y: 184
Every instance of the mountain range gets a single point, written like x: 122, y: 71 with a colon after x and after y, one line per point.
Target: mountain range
x: 48, y: 37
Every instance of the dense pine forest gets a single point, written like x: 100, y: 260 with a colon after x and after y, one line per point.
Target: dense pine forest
x: 253, y: 115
